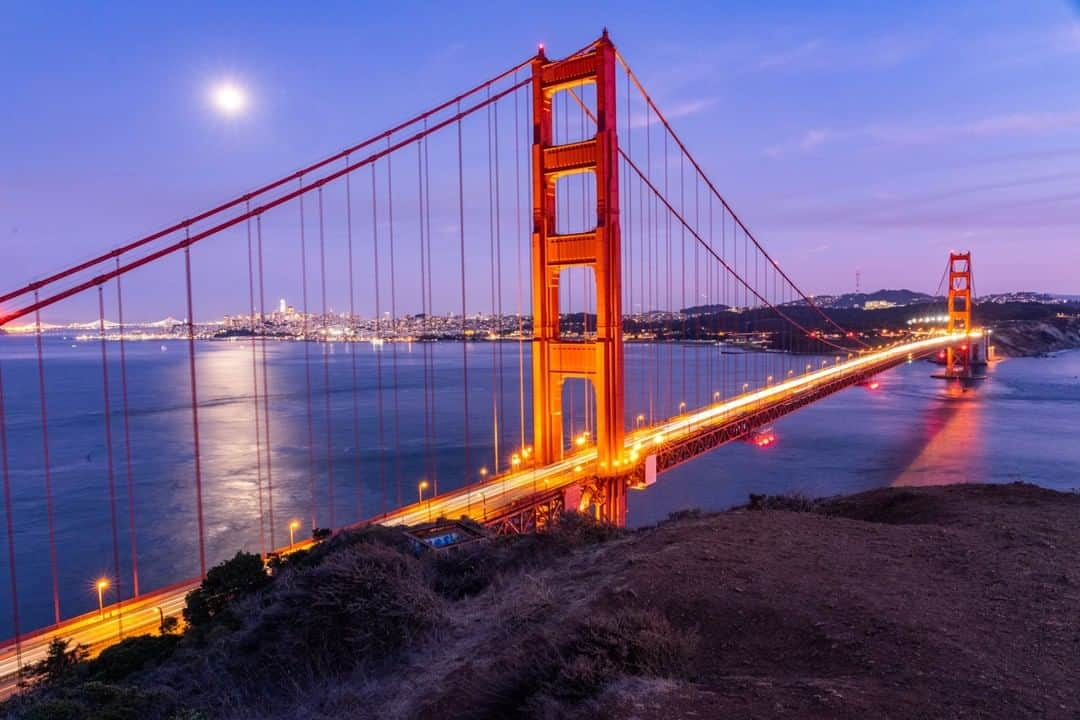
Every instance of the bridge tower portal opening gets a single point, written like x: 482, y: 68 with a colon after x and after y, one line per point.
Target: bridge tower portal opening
x: 555, y: 359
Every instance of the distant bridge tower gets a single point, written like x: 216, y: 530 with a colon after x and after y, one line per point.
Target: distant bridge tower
x: 554, y: 360
x: 959, y: 303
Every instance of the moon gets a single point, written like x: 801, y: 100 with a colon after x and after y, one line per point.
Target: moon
x: 229, y: 98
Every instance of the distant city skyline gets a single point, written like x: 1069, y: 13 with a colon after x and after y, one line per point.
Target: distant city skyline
x: 870, y: 139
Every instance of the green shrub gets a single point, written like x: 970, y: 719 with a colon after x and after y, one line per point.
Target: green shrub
x: 243, y: 575
x: 793, y: 502
x: 132, y: 655
x: 360, y: 605
x: 100, y: 701
x: 59, y: 663
x: 467, y: 571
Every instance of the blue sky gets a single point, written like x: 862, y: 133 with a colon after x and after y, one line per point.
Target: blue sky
x: 848, y: 135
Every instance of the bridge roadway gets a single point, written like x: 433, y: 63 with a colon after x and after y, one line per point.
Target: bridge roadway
x: 672, y: 441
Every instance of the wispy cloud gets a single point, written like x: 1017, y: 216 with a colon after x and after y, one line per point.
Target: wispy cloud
x: 684, y: 108
x: 1031, y: 123
x: 808, y: 141
x: 821, y: 54
x: 791, y: 56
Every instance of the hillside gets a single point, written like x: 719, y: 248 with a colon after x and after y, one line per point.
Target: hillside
x: 954, y: 601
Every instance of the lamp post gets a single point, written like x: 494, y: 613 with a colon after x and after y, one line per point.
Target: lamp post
x: 102, y: 584
x: 294, y: 525
x: 682, y: 407
x: 639, y: 420
x: 420, y: 488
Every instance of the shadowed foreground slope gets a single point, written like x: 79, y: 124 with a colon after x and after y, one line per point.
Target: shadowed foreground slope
x: 955, y: 601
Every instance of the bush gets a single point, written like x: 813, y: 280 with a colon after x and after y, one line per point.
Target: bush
x: 538, y: 676
x: 628, y: 642
x: 132, y: 655
x: 469, y: 570
x: 791, y: 503
x: 359, y: 606
x: 101, y: 701
x: 59, y: 663
x: 684, y: 514
x: 243, y: 575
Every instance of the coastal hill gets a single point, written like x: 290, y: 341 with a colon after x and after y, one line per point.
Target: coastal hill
x: 954, y: 601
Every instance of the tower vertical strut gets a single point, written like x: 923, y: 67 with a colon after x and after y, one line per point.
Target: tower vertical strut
x: 598, y: 361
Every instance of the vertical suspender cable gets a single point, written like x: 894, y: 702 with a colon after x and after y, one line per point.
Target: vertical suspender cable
x: 357, y: 457
x: 467, y: 474
x: 377, y: 345
x: 682, y: 263
x: 265, y: 386
x: 305, y: 331
x: 585, y: 385
x: 498, y: 274
x: 255, y: 386
x: 195, y: 414
x: 127, y: 438
x: 491, y: 257
x: 521, y: 239
x: 425, y: 340
x: 434, y: 472
x: 394, y: 327
x: 48, y: 466
x: 667, y: 235
x: 329, y: 428
x: 697, y: 293
x: 110, y: 470
x: 9, y: 519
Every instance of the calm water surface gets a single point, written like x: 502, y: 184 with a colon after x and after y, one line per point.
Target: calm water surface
x: 1019, y: 425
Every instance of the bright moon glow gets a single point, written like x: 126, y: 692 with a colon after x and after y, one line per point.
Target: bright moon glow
x: 229, y: 98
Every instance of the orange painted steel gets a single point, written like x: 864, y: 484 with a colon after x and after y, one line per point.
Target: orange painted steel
x: 959, y: 294
x: 599, y: 362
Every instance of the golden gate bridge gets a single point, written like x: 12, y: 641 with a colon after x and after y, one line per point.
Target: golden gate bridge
x: 569, y: 211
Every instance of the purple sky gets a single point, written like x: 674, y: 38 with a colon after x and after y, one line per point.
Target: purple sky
x: 847, y: 135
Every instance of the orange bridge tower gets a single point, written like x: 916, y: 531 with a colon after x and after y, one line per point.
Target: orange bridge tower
x: 554, y: 359
x: 959, y: 303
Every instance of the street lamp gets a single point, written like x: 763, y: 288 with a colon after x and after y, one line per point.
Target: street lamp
x: 420, y: 488
x: 515, y: 461
x: 483, y: 473
x: 682, y: 406
x: 716, y: 396
x: 745, y: 387
x: 102, y: 584
x: 294, y: 525
x: 768, y: 380
x: 640, y: 419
